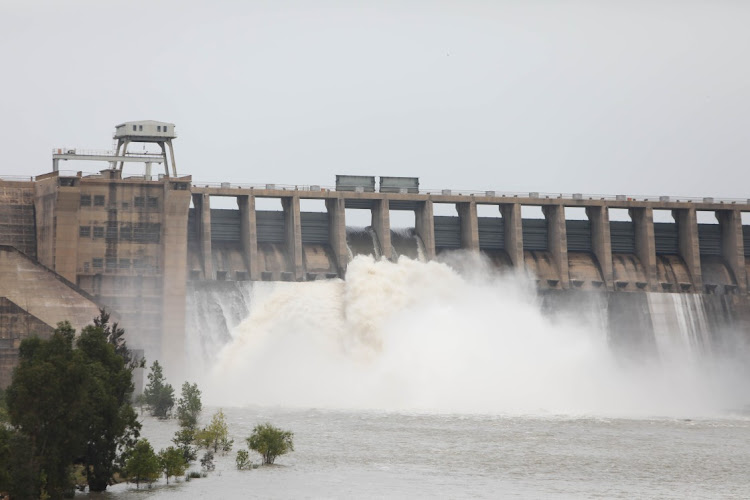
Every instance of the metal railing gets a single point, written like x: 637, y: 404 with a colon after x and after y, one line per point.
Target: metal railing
x: 429, y: 191
x: 102, y: 152
x: 492, y: 193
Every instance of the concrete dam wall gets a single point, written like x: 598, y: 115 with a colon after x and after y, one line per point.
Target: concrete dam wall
x: 136, y: 244
x: 594, y: 254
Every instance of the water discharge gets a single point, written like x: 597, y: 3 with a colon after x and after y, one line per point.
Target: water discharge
x: 422, y: 336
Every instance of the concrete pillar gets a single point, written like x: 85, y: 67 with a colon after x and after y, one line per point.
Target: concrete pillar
x: 732, y: 245
x: 174, y: 257
x: 557, y: 240
x: 202, y: 203
x: 645, y: 244
x: 249, y: 235
x: 467, y: 215
x: 293, y: 227
x: 601, y: 242
x: 66, y: 232
x: 687, y: 232
x: 381, y: 223
x: 337, y: 233
x: 511, y: 213
x: 424, y: 218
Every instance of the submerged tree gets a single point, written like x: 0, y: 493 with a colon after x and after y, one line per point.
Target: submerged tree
x: 159, y: 394
x: 172, y: 462
x: 242, y: 460
x: 183, y: 440
x: 216, y: 434
x: 270, y: 442
x: 142, y: 463
x: 189, y: 406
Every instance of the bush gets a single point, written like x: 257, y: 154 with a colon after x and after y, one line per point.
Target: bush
x: 189, y: 406
x: 142, y: 463
x: 172, y: 462
x: 215, y: 435
x: 207, y: 461
x: 159, y: 395
x: 243, y: 460
x: 270, y: 442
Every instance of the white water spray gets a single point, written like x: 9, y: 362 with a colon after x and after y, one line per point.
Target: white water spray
x: 417, y: 336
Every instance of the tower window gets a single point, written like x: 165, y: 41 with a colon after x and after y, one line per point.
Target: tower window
x: 140, y: 128
x: 99, y: 200
x: 134, y: 128
x: 158, y: 128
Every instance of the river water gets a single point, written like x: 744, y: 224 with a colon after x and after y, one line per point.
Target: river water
x: 412, y: 380
x: 365, y: 454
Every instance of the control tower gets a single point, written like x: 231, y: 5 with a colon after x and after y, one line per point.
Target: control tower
x: 147, y: 131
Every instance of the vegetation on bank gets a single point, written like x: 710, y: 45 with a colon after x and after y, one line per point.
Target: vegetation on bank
x: 67, y: 419
x: 68, y: 404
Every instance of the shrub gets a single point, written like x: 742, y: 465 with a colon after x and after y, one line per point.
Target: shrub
x: 270, y: 442
x: 243, y: 460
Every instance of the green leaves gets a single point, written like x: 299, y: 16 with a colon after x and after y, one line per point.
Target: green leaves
x: 270, y: 442
x: 189, y: 406
x: 142, y: 463
x: 216, y: 434
x: 172, y: 462
x: 70, y: 400
x: 242, y: 460
x: 159, y: 395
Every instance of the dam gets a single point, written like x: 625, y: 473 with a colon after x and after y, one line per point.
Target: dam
x: 140, y: 245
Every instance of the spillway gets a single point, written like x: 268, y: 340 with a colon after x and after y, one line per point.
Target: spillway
x: 421, y: 336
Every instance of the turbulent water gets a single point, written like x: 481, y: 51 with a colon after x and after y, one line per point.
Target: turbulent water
x: 427, y: 379
x: 422, y: 336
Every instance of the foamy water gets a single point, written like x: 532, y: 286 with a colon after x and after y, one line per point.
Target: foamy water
x: 419, y: 336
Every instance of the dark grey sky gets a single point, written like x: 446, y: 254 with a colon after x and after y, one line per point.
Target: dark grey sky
x: 566, y: 96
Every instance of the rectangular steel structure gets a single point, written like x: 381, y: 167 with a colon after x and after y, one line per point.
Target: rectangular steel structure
x: 447, y: 232
x: 666, y: 238
x: 399, y: 184
x: 579, y: 235
x: 622, y: 236
x: 534, y: 234
x: 709, y: 239
x: 491, y: 233
x: 351, y: 182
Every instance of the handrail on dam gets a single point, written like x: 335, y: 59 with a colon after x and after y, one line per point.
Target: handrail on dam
x: 488, y: 193
x: 435, y: 192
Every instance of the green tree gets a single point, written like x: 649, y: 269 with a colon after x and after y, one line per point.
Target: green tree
x: 111, y: 421
x: 183, y: 440
x: 116, y: 337
x: 270, y: 442
x: 207, y: 461
x: 142, y: 463
x: 242, y: 460
x: 159, y: 394
x: 172, y: 462
x: 47, y: 402
x: 189, y: 406
x: 72, y: 405
x: 17, y: 474
x: 216, y: 434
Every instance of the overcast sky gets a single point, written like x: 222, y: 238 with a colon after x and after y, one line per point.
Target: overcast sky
x: 647, y: 97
